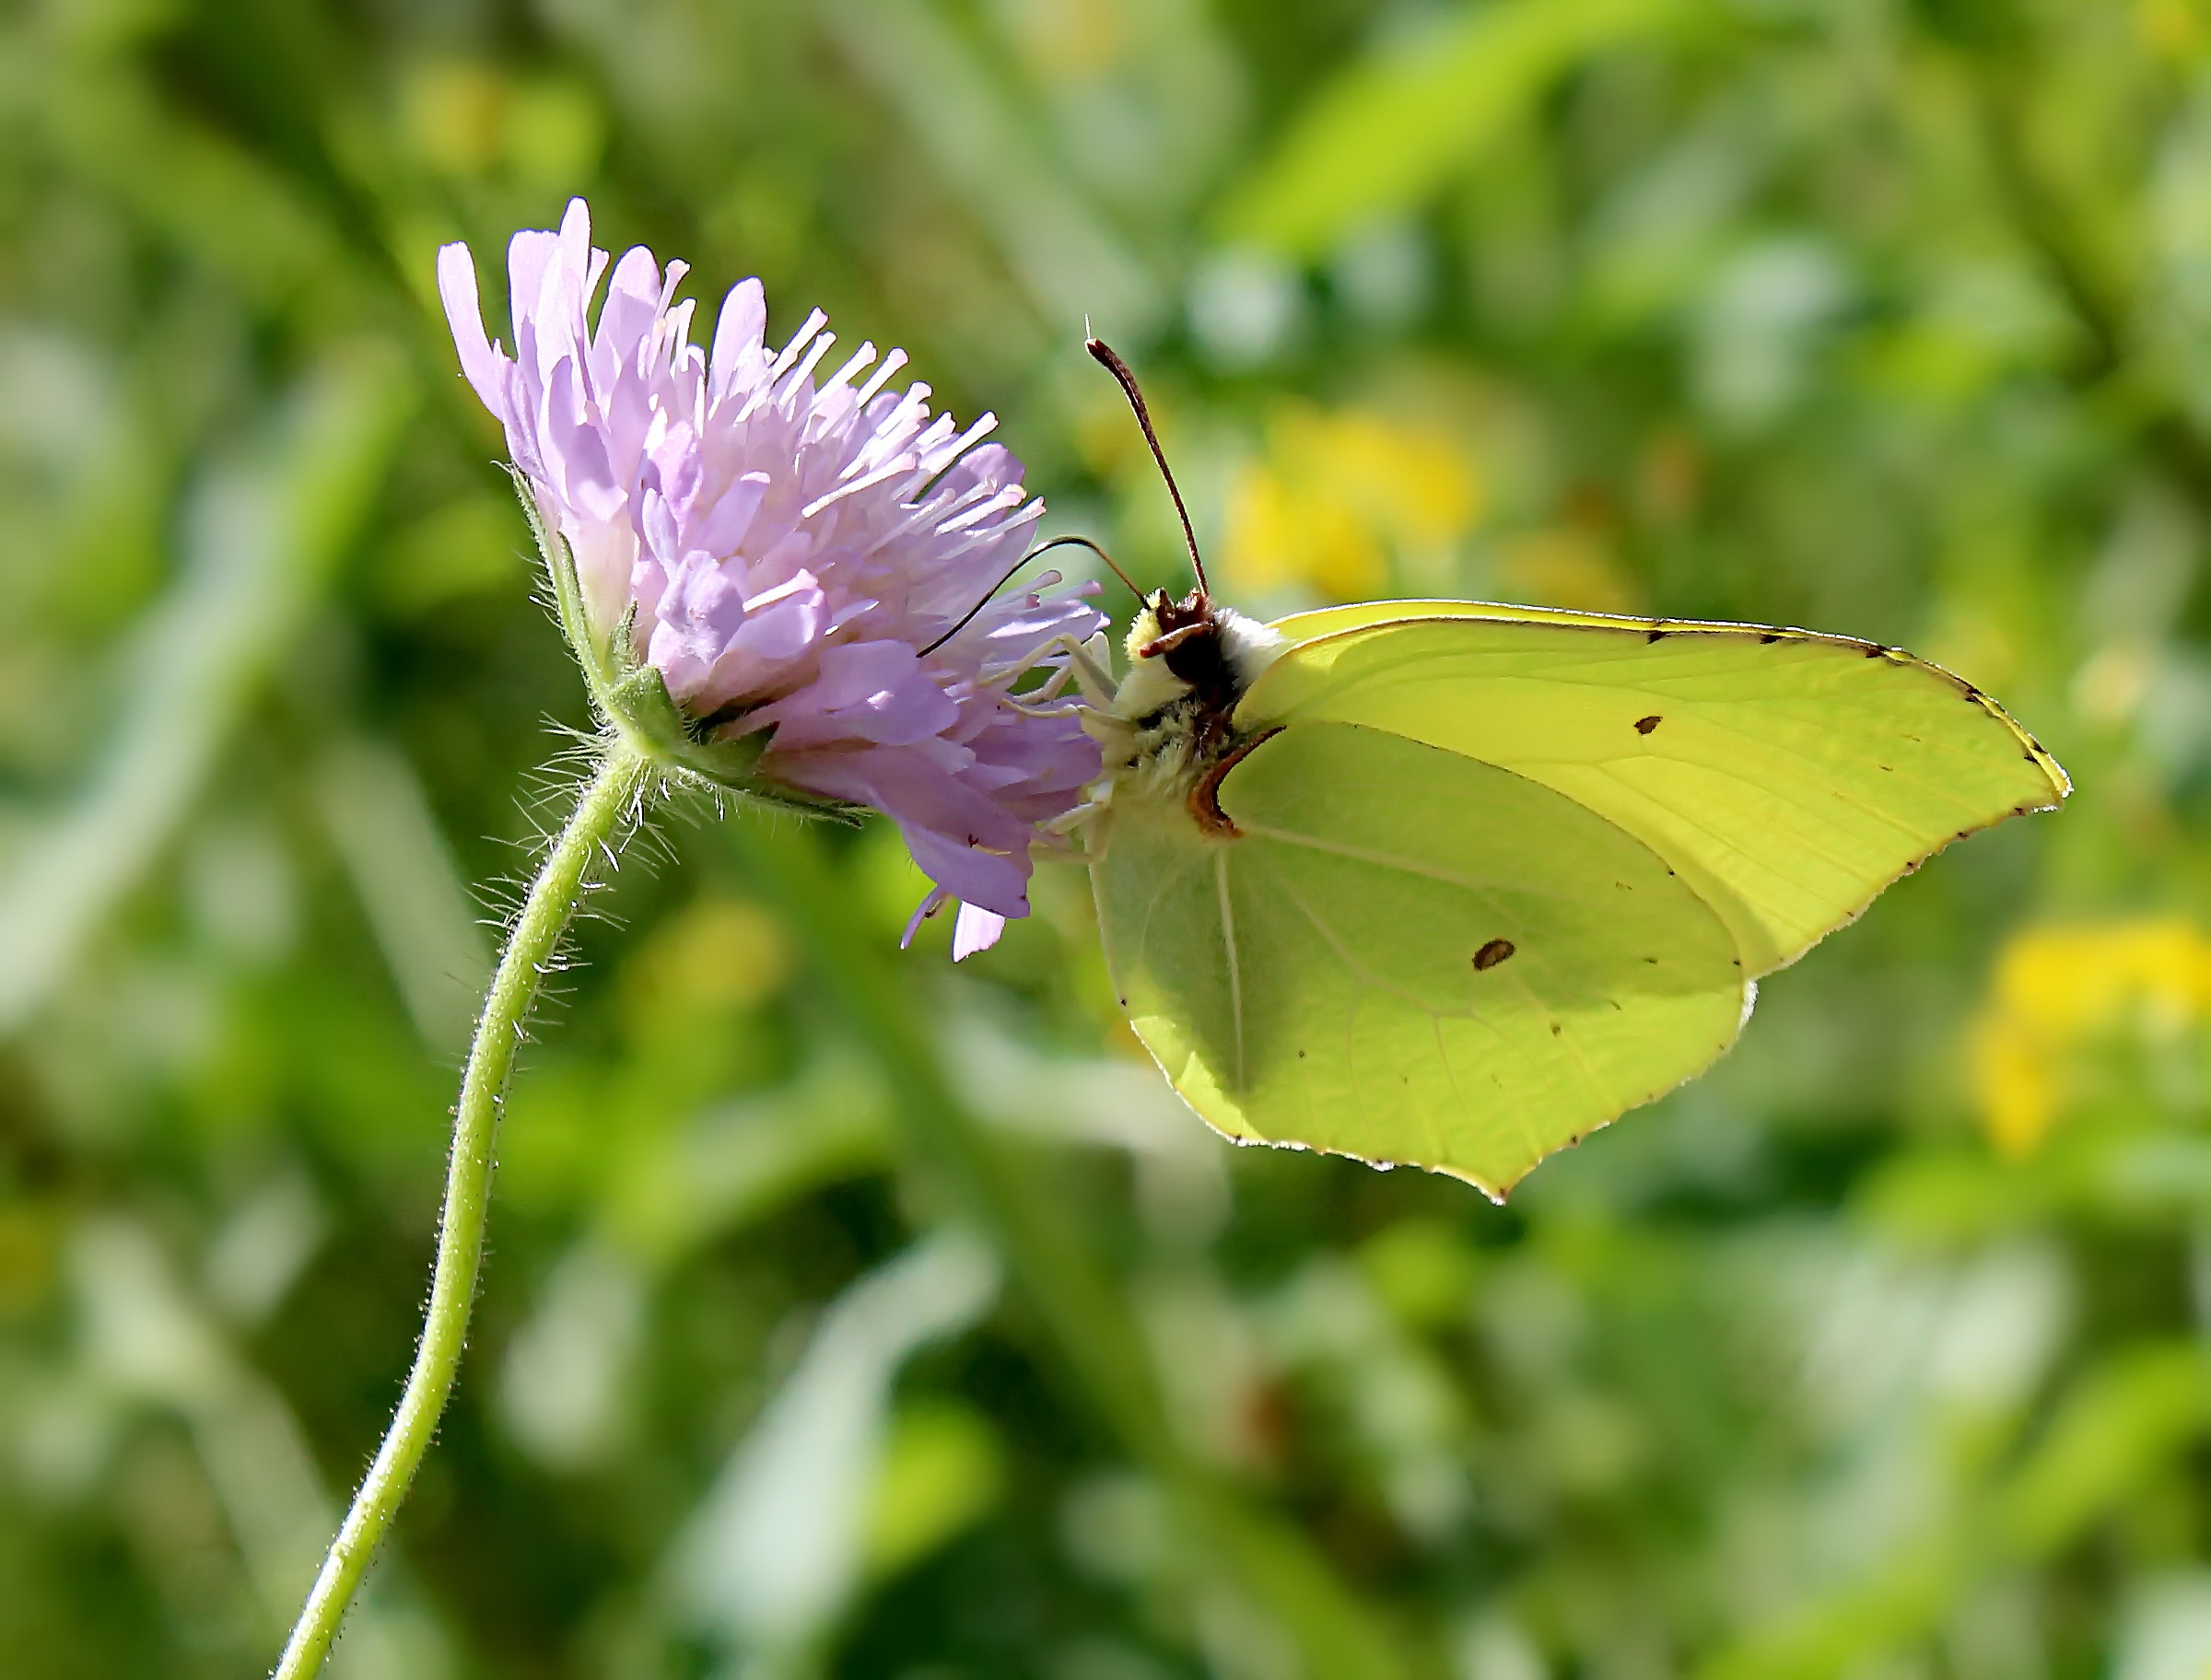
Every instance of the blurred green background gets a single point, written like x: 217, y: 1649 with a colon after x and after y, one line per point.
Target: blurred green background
x: 849, y: 1315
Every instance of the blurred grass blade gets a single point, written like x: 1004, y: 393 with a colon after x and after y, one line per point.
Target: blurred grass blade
x: 1069, y: 260
x: 569, y: 1364
x: 741, y: 1163
x: 2123, y: 1424
x: 2121, y: 1427
x: 775, y: 1549
x: 402, y: 869
x: 1389, y: 131
x: 262, y: 537
x: 145, y: 1335
x: 181, y: 180
x: 562, y: 1382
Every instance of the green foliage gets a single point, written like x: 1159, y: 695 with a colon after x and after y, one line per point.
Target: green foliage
x: 1878, y: 1351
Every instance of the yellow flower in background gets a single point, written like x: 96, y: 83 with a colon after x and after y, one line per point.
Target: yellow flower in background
x: 2057, y: 988
x: 454, y: 113
x: 1565, y: 566
x: 1339, y: 494
x: 2173, y: 29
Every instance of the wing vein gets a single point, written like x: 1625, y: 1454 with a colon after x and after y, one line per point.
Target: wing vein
x: 1368, y: 982
x: 1236, y: 966
x: 1336, y: 848
x: 1442, y: 1055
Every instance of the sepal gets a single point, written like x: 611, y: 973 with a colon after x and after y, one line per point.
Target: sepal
x: 632, y: 697
x: 639, y: 703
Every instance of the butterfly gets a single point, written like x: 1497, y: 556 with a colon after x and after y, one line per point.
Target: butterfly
x: 1452, y: 884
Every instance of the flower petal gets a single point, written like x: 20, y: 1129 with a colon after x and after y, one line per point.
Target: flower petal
x: 464, y: 314
x: 976, y: 929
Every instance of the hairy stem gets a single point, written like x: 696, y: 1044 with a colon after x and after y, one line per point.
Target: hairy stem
x: 604, y: 811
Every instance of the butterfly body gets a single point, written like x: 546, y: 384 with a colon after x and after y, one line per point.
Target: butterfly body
x: 1190, y: 663
x: 1451, y: 883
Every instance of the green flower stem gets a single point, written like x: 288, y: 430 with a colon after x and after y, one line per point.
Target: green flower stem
x: 1085, y: 1315
x: 607, y: 807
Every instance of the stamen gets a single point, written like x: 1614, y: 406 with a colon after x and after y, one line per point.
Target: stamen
x: 881, y: 377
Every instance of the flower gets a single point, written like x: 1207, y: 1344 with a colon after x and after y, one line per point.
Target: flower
x: 1341, y: 493
x: 2057, y: 988
x: 794, y: 559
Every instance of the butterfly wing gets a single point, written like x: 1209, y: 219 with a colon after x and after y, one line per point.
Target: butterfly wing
x: 1787, y: 776
x: 1409, y: 955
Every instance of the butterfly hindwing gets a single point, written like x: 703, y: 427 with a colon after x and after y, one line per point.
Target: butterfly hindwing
x: 1409, y: 955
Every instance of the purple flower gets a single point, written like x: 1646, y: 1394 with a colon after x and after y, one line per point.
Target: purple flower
x: 785, y: 554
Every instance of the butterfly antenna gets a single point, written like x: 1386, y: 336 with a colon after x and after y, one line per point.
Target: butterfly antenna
x: 1111, y: 563
x: 1102, y: 352
x: 989, y: 595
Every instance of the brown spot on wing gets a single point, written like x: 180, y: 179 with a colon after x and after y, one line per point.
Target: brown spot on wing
x: 1494, y: 952
x: 1644, y: 725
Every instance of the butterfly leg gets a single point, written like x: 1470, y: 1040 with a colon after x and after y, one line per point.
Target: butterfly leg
x: 1086, y: 666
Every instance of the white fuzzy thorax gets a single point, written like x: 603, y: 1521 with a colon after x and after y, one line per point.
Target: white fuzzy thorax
x: 1149, y: 732
x: 1151, y: 687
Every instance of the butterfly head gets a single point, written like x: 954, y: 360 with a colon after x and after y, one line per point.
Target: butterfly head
x: 1192, y: 654
x: 1164, y: 624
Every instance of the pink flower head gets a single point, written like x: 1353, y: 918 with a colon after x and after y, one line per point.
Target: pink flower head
x: 787, y: 554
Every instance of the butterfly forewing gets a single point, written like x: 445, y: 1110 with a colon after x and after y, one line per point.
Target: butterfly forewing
x: 1787, y: 776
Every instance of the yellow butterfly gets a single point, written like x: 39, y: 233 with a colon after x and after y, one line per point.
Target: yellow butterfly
x: 1453, y: 883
